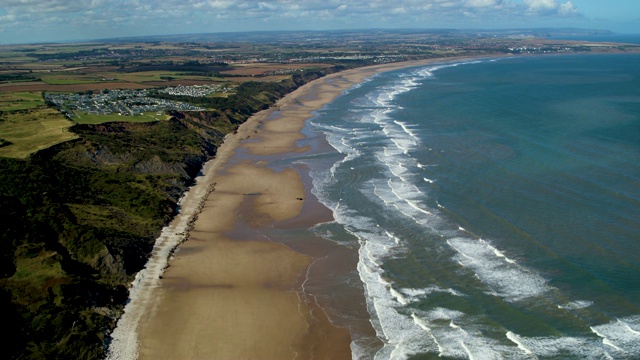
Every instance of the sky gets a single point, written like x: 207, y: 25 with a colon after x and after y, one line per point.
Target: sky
x: 33, y: 21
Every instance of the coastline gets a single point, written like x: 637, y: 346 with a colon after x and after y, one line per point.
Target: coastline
x: 230, y: 291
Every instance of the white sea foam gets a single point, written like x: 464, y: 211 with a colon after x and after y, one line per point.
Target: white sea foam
x: 419, y: 207
x: 381, y: 195
x: 444, y: 314
x: 404, y: 145
x: 418, y: 294
x: 405, y: 335
x: 341, y: 143
x: 561, y: 347
x: 501, y: 275
x: 358, y: 85
x: 424, y: 73
x: 406, y: 129
x: 397, y: 169
x: 408, y: 296
x: 521, y: 345
x: 421, y: 323
x: 402, y: 336
x: 400, y: 136
x: 409, y: 201
x: 395, y: 238
x: 623, y: 335
x: 399, y: 297
x: 498, y: 253
x: 459, y: 336
x: 403, y: 196
x: 575, y: 305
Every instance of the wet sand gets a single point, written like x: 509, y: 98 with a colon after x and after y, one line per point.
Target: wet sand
x: 232, y: 292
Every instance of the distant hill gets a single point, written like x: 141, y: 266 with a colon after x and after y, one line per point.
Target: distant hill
x: 276, y: 36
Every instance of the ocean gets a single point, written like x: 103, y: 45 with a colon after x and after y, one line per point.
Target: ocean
x: 493, y: 206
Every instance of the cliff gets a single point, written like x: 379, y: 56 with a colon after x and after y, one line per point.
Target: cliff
x: 79, y: 219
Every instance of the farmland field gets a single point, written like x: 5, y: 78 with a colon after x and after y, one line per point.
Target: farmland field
x: 31, y: 130
x: 84, y: 118
x: 20, y: 101
x: 157, y: 76
x: 39, y: 86
x: 70, y: 79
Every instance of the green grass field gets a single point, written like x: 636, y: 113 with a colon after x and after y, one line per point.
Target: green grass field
x: 39, y: 269
x: 84, y: 118
x: 20, y: 101
x: 17, y: 59
x: 32, y: 130
x: 146, y: 76
x: 67, y: 48
x: 8, y: 55
x: 71, y: 79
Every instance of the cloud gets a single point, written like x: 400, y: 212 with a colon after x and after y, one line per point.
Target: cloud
x: 144, y: 17
x: 273, y: 8
x: 217, y: 4
x: 567, y: 9
x: 483, y: 3
x: 50, y: 6
x: 550, y: 8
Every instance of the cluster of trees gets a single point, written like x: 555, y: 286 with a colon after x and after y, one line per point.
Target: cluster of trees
x: 16, y: 77
x: 188, y: 66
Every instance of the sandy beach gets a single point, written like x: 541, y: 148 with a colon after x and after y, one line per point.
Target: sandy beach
x: 231, y: 292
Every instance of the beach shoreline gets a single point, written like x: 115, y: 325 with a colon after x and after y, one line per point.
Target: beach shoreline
x: 230, y: 291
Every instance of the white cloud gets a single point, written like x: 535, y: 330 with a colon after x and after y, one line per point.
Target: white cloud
x: 540, y: 5
x: 155, y: 16
x: 219, y: 4
x: 550, y: 7
x: 483, y: 3
x: 399, y: 10
x: 267, y: 6
x: 274, y: 8
x: 568, y: 9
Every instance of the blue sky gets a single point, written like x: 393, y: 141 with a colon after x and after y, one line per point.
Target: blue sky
x: 28, y: 21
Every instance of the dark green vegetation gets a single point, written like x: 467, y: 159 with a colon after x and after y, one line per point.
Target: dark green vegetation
x: 18, y: 77
x: 79, y: 219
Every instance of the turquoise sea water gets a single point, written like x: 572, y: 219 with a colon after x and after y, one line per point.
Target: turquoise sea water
x: 494, y: 206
